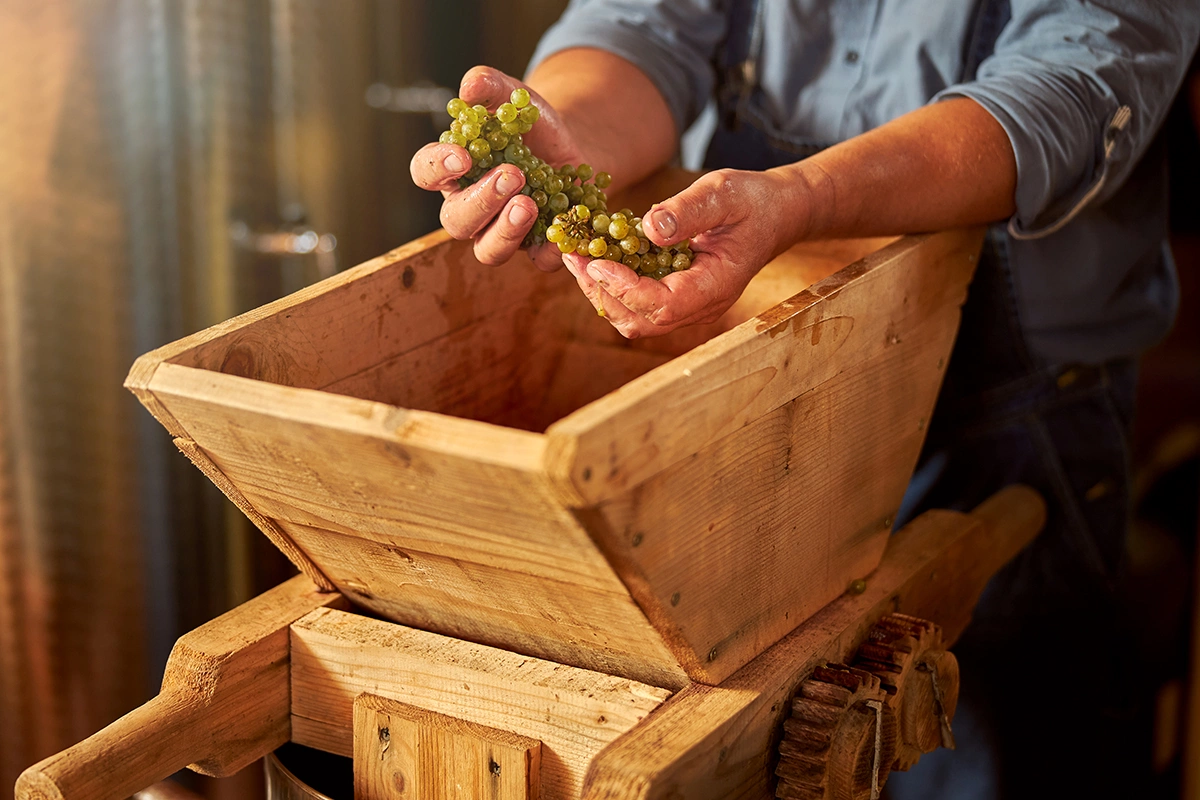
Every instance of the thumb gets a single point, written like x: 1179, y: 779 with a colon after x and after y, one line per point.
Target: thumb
x: 487, y: 86
x: 704, y: 205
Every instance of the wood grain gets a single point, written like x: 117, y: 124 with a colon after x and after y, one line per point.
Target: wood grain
x: 224, y: 703
x: 574, y: 713
x: 401, y: 751
x: 718, y: 742
x: 474, y: 539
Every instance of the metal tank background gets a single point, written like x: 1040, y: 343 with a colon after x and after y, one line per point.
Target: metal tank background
x: 164, y: 165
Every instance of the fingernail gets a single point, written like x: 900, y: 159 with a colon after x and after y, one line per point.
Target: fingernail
x: 664, y: 222
x: 453, y: 163
x: 508, y: 183
x: 519, y: 215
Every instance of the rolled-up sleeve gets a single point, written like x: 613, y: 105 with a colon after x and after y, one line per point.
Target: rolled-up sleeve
x: 671, y: 41
x: 1060, y: 76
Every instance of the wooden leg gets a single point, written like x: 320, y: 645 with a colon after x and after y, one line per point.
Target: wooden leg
x: 401, y: 751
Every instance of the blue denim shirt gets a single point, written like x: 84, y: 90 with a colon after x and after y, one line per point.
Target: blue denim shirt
x: 1080, y: 87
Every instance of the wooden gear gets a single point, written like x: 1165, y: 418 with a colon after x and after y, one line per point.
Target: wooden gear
x: 605, y: 567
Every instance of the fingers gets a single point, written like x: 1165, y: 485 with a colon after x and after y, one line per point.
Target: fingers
x: 503, y: 238
x: 628, y: 324
x: 468, y: 211
x: 713, y: 200
x: 487, y: 86
x: 437, y: 167
x: 678, y: 299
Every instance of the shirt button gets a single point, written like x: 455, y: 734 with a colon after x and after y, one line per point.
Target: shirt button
x: 851, y: 56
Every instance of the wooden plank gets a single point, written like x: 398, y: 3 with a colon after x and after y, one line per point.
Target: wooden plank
x: 224, y: 703
x: 719, y: 741
x: 665, y: 416
x: 325, y: 468
x: 401, y: 751
x: 559, y: 620
x: 268, y: 527
x: 574, y: 713
x: 807, y: 508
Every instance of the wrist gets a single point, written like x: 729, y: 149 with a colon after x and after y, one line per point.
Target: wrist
x: 805, y: 198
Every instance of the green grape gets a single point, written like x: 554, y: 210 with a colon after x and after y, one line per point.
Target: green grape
x: 479, y: 148
x: 497, y: 139
x: 529, y: 115
x: 507, y: 112
x: 579, y: 208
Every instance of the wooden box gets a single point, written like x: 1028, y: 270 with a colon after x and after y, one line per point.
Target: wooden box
x: 469, y: 450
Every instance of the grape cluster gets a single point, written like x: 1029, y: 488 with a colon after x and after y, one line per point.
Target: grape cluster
x: 572, y: 205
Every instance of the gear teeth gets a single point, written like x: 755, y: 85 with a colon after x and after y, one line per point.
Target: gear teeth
x: 829, y: 745
x: 894, y: 648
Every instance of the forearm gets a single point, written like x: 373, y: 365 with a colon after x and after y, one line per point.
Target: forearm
x: 615, y: 113
x: 945, y: 165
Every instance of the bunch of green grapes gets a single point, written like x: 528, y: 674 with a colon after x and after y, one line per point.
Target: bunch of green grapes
x: 587, y: 228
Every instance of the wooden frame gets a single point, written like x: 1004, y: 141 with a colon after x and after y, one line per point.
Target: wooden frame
x: 466, y: 449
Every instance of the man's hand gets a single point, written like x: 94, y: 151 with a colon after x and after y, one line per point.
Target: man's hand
x: 736, y: 221
x: 492, y: 210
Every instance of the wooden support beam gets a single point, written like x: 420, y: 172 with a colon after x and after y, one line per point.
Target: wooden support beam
x: 402, y: 752
x: 719, y: 741
x: 224, y: 703
x: 574, y: 713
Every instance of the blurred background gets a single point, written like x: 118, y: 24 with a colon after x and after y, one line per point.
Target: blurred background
x: 167, y: 164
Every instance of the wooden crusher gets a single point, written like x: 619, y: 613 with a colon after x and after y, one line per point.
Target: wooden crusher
x: 541, y: 561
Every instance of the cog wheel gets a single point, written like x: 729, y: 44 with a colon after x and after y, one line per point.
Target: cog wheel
x: 841, y: 738
x: 921, y: 678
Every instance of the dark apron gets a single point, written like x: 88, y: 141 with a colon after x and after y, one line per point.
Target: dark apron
x: 1004, y: 417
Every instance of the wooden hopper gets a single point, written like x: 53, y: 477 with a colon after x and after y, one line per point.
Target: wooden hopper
x: 468, y: 450
x: 606, y: 569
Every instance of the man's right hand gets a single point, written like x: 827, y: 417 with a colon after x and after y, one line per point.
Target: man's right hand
x: 492, y: 211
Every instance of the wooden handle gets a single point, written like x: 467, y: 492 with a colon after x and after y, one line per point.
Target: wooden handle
x: 141, y: 748
x: 225, y: 703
